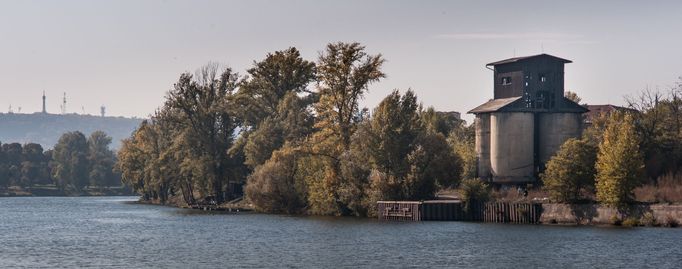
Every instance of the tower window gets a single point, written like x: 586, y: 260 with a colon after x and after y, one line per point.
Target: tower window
x: 543, y: 78
x: 506, y: 80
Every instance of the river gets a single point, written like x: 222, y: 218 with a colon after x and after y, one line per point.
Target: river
x: 112, y: 232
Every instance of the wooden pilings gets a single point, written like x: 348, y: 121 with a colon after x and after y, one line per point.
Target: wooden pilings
x: 453, y: 210
x: 512, y: 212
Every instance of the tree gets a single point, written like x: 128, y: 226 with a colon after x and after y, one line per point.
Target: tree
x: 71, y: 162
x: 270, y: 80
x: 462, y: 140
x: 570, y: 171
x: 275, y: 186
x: 4, y: 169
x: 34, y: 166
x: 203, y: 103
x: 13, y: 154
x: 101, y: 159
x: 619, y: 161
x: 345, y: 72
x: 439, y: 121
x: 407, y: 160
x: 570, y: 95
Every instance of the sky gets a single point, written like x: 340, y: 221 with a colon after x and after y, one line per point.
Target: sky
x: 126, y: 55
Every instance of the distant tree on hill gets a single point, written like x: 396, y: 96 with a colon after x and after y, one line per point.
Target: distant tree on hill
x: 71, y: 161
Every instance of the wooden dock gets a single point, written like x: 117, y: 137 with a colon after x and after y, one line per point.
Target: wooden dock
x: 454, y: 210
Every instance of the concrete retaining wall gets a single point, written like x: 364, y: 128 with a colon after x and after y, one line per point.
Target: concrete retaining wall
x: 598, y: 214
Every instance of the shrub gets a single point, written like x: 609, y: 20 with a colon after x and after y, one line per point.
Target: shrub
x: 471, y: 190
x: 667, y: 189
x: 615, y: 220
x: 670, y: 222
x: 648, y: 219
x: 570, y: 171
x: 631, y: 222
x: 273, y: 186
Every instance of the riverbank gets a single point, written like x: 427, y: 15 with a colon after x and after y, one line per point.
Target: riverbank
x: 236, y: 205
x: 53, y: 191
x: 668, y: 215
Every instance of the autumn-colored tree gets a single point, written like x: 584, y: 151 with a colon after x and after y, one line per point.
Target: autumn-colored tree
x: 619, y: 161
x: 202, y: 101
x: 570, y: 171
x: 344, y: 73
x: 570, y: 95
x: 276, y: 186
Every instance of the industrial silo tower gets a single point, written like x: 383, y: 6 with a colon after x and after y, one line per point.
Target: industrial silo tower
x: 529, y: 118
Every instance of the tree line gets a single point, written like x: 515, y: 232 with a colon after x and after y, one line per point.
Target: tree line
x: 294, y: 132
x: 74, y: 163
x: 621, y: 151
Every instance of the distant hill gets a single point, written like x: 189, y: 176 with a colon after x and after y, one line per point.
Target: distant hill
x: 45, y: 129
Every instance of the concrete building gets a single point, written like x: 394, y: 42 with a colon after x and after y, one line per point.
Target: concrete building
x: 529, y: 118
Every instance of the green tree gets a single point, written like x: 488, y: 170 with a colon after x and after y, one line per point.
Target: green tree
x: 570, y: 171
x: 71, y: 162
x: 4, y: 169
x: 462, y: 141
x: 439, y: 121
x: 101, y: 159
x: 270, y: 80
x: 619, y: 161
x: 203, y: 103
x: 34, y: 166
x: 13, y: 157
x: 345, y: 72
x: 473, y: 190
x: 407, y: 160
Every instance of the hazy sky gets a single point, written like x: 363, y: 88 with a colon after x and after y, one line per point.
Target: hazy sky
x: 127, y: 54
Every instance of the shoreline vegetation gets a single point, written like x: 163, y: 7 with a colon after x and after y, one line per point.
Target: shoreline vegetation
x: 54, y: 191
x: 290, y: 137
x: 76, y: 166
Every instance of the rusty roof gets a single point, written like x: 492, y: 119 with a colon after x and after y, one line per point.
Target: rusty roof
x: 516, y: 59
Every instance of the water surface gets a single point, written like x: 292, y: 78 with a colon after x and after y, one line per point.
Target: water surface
x: 110, y: 232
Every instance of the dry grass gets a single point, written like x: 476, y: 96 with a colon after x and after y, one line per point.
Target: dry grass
x: 513, y: 195
x: 667, y: 190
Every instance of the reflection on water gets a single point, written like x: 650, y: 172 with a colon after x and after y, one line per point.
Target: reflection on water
x: 111, y: 232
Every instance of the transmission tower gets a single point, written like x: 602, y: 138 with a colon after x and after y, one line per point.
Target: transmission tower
x: 63, y: 106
